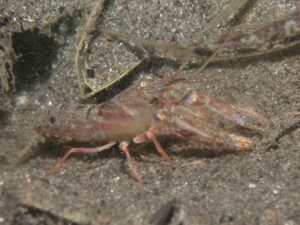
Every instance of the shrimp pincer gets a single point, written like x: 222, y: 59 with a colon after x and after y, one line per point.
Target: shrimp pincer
x: 140, y: 114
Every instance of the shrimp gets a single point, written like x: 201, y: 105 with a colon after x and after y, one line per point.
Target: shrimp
x: 142, y: 113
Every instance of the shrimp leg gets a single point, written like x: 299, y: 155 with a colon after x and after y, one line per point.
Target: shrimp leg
x: 77, y: 150
x: 150, y: 135
x: 131, y: 163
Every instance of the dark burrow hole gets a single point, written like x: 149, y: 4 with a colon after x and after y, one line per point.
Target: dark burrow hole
x: 37, y: 52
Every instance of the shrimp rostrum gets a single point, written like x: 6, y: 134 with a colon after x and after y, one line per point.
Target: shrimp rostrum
x: 143, y: 113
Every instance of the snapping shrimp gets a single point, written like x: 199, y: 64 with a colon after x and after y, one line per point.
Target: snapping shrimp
x: 140, y: 114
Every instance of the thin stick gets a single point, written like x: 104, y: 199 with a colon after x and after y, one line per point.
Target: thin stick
x: 218, y: 50
x: 81, y: 57
x: 31, y: 149
x: 233, y: 8
x: 111, y: 82
x: 285, y: 29
x: 82, y: 45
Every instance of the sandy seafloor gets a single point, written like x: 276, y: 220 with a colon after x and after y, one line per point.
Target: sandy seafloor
x: 257, y: 187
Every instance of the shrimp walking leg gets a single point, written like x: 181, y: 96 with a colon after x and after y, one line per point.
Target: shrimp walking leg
x: 77, y: 150
x: 151, y: 136
x: 131, y: 163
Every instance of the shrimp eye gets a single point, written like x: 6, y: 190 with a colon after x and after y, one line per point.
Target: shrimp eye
x: 52, y: 119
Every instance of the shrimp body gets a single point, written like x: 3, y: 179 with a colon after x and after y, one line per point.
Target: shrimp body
x: 111, y: 121
x: 141, y: 113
